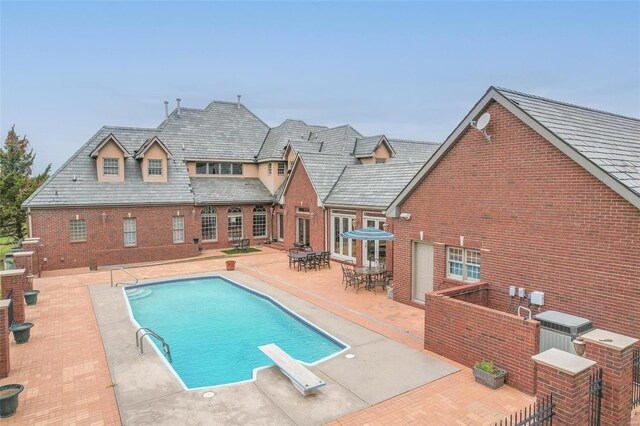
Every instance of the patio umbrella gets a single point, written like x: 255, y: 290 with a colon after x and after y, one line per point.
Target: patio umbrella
x: 368, y: 234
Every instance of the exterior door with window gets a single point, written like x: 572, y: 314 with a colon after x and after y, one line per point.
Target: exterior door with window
x: 422, y: 281
x: 342, y: 248
x: 302, y: 231
x: 374, y: 251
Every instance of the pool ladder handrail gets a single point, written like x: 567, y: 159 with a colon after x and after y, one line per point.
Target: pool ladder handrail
x: 146, y: 331
x: 126, y: 272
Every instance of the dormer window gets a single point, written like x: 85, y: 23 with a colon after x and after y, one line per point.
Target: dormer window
x: 155, y: 167
x: 281, y: 168
x: 219, y: 169
x: 110, y: 166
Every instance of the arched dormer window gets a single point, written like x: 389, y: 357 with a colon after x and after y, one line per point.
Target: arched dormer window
x: 209, y: 224
x: 259, y: 221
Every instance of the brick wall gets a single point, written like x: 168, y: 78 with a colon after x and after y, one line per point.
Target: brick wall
x: 468, y: 332
x: 543, y: 223
x: 105, y: 240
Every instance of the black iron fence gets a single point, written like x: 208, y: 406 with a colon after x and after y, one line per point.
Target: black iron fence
x: 635, y: 398
x: 538, y: 413
x: 595, y: 397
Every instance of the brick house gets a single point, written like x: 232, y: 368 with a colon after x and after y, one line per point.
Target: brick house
x: 551, y: 203
x: 200, y: 180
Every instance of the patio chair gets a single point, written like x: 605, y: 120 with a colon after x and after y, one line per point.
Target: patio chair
x: 308, y: 262
x: 352, y: 279
x: 325, y: 259
x: 382, y: 280
x: 307, y: 248
x: 292, y: 260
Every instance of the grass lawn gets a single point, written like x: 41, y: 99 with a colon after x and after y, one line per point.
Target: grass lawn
x: 234, y: 251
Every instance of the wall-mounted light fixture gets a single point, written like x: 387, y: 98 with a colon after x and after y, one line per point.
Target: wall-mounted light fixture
x: 103, y: 215
x: 579, y: 345
x: 193, y: 213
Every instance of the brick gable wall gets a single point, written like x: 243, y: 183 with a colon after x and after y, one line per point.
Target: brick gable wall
x: 543, y: 223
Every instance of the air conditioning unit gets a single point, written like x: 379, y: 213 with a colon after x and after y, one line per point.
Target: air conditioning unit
x: 557, y: 330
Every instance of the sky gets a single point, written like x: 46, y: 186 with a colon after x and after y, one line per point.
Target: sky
x: 407, y: 70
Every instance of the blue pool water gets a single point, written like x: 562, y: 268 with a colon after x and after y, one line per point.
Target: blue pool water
x: 214, y: 328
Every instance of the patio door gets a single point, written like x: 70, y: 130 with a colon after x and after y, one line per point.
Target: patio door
x: 279, y: 227
x: 422, y: 277
x: 302, y: 230
x: 374, y: 251
x: 342, y: 248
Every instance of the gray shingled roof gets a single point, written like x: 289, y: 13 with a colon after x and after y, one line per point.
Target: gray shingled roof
x: 610, y: 141
x: 62, y: 190
x: 229, y: 190
x: 412, y: 151
x: 367, y: 145
x: 278, y: 137
x: 374, y: 185
x: 325, y: 169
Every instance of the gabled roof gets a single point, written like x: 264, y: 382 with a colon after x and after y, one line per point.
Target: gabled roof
x: 605, y: 144
x: 279, y: 137
x: 109, y: 138
x: 367, y: 146
x: 411, y: 151
x: 147, y: 144
x: 373, y: 185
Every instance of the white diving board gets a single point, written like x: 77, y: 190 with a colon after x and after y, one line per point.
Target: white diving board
x: 302, y: 378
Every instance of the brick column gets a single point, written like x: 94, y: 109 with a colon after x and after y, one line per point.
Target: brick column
x: 4, y: 339
x: 613, y: 352
x: 33, y: 244
x: 14, y: 279
x: 566, y: 377
x: 24, y: 260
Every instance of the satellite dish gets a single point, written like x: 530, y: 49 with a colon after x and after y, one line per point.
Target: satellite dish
x: 483, y: 121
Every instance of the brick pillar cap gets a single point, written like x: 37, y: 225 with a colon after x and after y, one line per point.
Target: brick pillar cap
x: 4, y: 303
x: 11, y: 272
x: 22, y: 253
x: 609, y: 339
x: 564, y: 361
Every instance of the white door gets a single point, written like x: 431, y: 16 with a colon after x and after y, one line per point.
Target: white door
x: 342, y: 248
x: 374, y: 251
x: 422, y: 270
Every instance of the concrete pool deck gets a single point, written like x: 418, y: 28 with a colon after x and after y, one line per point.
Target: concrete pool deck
x: 147, y: 391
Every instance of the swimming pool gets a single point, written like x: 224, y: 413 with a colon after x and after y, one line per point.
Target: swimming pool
x: 214, y: 327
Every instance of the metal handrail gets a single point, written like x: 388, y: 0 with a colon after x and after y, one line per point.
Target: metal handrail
x: 126, y: 272
x: 146, y: 331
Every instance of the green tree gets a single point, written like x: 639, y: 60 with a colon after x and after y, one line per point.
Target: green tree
x: 17, y: 183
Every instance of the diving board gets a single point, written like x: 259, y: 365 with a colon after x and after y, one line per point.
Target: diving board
x: 302, y: 378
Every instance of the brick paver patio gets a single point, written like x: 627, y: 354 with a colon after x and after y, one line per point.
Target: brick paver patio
x: 67, y: 381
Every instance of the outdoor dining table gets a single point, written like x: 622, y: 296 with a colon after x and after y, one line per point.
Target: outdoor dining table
x: 369, y: 272
x: 302, y: 255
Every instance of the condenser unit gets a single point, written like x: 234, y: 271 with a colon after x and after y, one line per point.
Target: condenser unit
x: 557, y: 330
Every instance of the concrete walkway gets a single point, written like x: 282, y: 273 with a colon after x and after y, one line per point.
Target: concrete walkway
x: 67, y: 381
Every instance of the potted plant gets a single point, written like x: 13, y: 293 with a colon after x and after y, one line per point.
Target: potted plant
x: 489, y: 375
x: 31, y: 297
x: 9, y: 399
x: 231, y: 265
x: 21, y: 332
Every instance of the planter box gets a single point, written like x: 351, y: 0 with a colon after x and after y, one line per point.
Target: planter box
x: 493, y: 381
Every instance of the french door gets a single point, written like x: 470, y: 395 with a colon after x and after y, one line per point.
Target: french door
x: 343, y: 248
x: 279, y: 226
x: 374, y: 251
x: 302, y: 230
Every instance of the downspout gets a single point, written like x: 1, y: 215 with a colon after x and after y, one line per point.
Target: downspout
x: 326, y: 228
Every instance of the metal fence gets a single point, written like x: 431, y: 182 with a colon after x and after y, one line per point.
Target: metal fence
x: 595, y: 397
x: 538, y: 413
x: 635, y: 399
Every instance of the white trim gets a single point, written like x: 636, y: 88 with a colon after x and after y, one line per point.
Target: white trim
x: 110, y: 137
x: 492, y: 94
x: 147, y: 145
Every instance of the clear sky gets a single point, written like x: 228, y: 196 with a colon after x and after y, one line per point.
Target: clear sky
x: 408, y: 70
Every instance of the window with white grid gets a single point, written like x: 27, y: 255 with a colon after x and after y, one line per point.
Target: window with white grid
x: 234, y: 223
x: 130, y: 232
x: 281, y: 167
x: 77, y: 230
x: 178, y: 229
x: 208, y: 224
x: 155, y: 167
x: 463, y: 264
x: 269, y: 168
x: 110, y: 167
x: 259, y: 221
